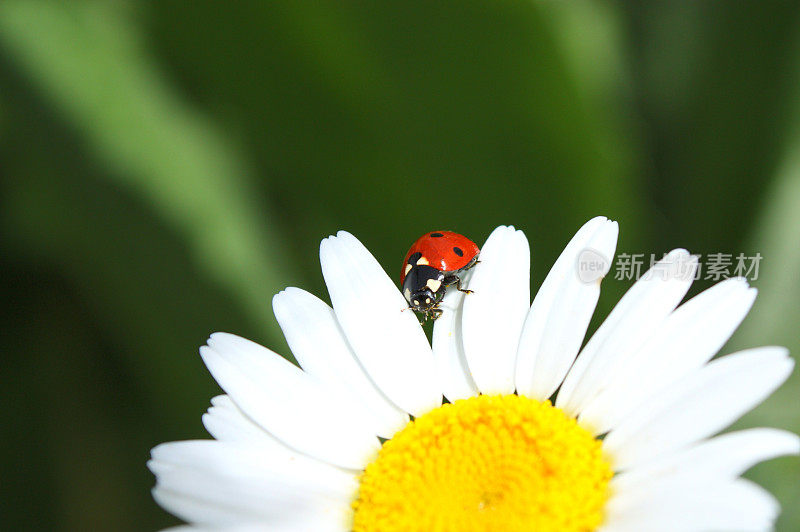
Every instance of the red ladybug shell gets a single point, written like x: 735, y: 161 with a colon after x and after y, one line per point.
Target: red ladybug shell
x: 444, y: 250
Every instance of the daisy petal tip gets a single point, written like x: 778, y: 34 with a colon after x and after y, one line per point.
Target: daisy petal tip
x: 605, y: 241
x: 334, y: 250
x: 293, y: 291
x: 796, y: 446
x: 217, y: 340
x: 500, y: 230
x: 159, y: 452
x: 221, y: 400
x: 282, y: 294
x: 225, y: 337
x: 511, y: 240
x: 325, y: 247
x: 153, y: 452
x: 206, y: 352
x: 789, y: 365
x: 791, y: 441
x: 777, y: 352
x: 600, y: 224
x: 281, y: 302
x: 613, y: 227
x: 522, y: 241
x: 210, y: 337
x: 752, y: 294
x: 278, y: 304
x: 679, y: 254
x: 344, y: 238
x: 746, y: 292
x: 159, y: 468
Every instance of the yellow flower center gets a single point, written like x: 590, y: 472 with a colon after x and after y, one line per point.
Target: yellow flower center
x: 488, y: 463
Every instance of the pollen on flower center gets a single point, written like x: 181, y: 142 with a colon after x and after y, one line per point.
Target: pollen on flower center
x: 506, y: 463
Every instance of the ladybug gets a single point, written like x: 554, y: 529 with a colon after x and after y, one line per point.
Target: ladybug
x: 434, y: 262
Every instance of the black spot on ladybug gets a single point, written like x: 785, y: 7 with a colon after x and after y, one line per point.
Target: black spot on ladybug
x: 414, y: 258
x: 436, y: 235
x: 458, y: 251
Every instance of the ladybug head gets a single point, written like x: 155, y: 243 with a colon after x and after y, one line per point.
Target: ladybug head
x: 424, y: 288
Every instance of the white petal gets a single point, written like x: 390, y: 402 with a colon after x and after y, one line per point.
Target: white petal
x: 198, y: 509
x: 310, y: 523
x: 688, y: 338
x: 684, y: 507
x: 219, y: 484
x: 635, y: 318
x: 287, y: 403
x: 448, y: 347
x: 304, y: 523
x: 560, y: 313
x: 384, y: 335
x: 310, y: 517
x: 321, y: 349
x: 247, y: 527
x: 494, y: 314
x: 226, y: 422
x: 722, y: 458
x: 701, y: 404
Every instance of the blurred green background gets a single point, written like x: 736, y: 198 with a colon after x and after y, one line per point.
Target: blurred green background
x: 168, y: 166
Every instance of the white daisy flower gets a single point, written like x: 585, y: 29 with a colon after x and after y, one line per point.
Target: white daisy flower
x: 627, y: 443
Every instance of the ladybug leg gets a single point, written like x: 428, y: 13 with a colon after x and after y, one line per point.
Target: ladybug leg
x: 456, y: 280
x: 472, y: 264
x: 435, y: 313
x: 458, y: 286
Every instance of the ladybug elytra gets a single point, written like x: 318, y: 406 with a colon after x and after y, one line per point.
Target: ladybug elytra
x: 435, y: 261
